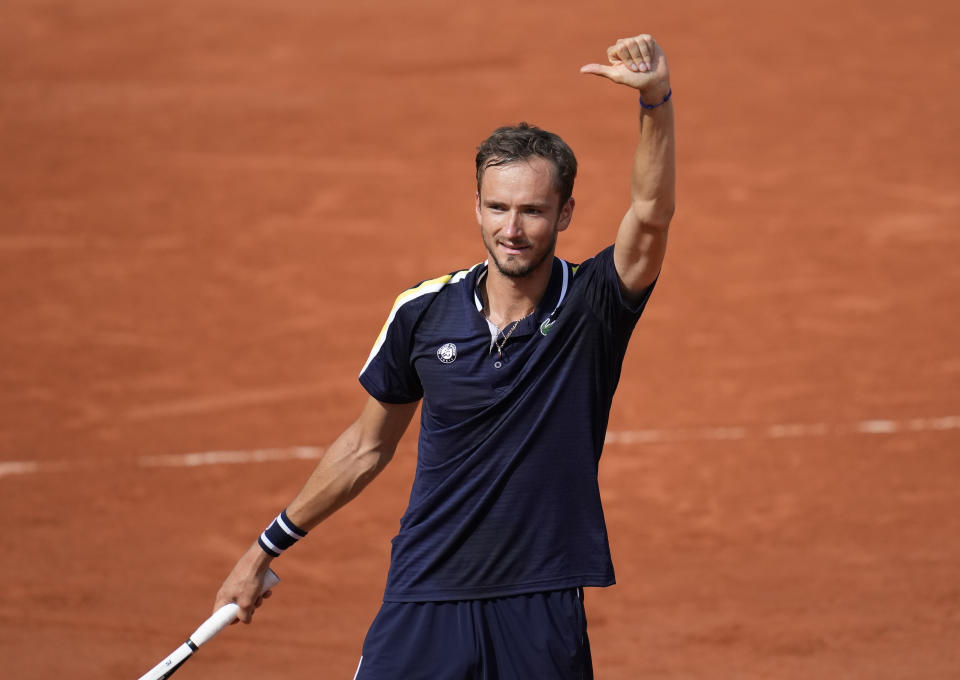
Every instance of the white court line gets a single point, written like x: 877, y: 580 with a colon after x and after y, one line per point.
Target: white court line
x: 230, y: 457
x: 18, y: 468
x: 875, y: 426
x: 784, y: 430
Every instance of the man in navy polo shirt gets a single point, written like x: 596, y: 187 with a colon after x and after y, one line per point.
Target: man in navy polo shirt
x: 516, y: 361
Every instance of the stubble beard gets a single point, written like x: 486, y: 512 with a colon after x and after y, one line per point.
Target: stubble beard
x: 515, y: 269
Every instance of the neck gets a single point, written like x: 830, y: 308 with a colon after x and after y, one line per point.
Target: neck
x: 507, y: 299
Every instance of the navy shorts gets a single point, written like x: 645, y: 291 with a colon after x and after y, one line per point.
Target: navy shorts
x: 522, y: 637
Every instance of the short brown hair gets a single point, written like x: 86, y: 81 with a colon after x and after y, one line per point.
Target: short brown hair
x: 518, y: 142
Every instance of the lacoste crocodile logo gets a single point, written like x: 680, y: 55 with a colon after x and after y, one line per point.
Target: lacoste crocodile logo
x: 547, y: 326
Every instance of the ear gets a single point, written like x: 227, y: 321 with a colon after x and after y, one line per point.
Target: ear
x: 566, y: 214
x: 476, y: 207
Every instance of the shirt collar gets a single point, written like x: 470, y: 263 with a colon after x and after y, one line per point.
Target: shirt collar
x: 553, y: 296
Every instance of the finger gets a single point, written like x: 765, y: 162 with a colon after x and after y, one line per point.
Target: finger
x: 647, y: 50
x: 622, y: 54
x: 612, y: 54
x: 637, y: 62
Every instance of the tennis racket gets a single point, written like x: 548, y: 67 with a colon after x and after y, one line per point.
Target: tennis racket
x: 220, y: 619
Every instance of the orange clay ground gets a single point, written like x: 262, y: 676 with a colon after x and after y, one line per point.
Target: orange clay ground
x: 207, y: 208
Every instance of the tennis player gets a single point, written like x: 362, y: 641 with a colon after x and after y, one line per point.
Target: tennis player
x: 515, y: 361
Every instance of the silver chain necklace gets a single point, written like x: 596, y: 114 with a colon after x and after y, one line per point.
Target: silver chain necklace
x: 506, y: 336
x: 498, y: 343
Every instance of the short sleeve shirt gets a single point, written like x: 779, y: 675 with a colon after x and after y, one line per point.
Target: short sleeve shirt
x: 505, y: 499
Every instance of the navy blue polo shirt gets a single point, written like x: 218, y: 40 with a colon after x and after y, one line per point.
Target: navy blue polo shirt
x: 505, y: 499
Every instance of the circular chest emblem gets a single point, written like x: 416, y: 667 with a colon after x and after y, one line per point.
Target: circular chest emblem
x: 448, y: 353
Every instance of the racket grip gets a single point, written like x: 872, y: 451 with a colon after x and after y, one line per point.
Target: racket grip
x: 224, y: 616
x: 270, y: 579
x: 220, y: 619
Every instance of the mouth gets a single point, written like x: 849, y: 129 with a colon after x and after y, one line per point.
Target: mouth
x: 513, y: 248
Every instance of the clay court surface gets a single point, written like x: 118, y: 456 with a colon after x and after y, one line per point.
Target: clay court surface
x: 207, y: 208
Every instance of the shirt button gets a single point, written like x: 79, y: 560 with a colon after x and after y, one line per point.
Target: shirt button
x: 497, y: 364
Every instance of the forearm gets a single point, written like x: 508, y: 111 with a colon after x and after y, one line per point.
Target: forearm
x: 653, y: 176
x: 347, y: 466
x: 351, y: 462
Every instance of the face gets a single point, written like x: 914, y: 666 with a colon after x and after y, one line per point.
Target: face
x: 520, y: 215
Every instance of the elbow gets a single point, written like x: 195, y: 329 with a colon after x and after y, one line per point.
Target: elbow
x: 361, y: 467
x: 364, y: 458
x: 368, y: 460
x: 654, y: 215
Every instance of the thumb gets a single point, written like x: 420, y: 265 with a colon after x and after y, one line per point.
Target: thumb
x: 597, y: 69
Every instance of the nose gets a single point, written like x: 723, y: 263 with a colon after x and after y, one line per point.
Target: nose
x: 512, y: 228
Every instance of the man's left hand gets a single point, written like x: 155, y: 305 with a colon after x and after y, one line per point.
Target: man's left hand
x: 637, y: 62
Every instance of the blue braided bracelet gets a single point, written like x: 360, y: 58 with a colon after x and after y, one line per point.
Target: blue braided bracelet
x: 666, y: 98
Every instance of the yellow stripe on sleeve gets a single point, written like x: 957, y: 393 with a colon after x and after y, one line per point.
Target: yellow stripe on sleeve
x: 424, y: 288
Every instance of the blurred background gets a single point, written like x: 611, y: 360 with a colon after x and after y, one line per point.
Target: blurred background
x: 208, y: 207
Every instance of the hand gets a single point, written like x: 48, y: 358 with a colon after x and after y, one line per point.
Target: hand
x: 637, y: 62
x: 244, y: 583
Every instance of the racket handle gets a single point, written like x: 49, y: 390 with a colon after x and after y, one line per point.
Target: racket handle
x: 270, y: 579
x: 220, y: 619
x: 224, y: 616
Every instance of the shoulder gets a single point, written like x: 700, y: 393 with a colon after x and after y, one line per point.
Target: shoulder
x: 599, y: 262
x: 409, y: 309
x: 419, y: 296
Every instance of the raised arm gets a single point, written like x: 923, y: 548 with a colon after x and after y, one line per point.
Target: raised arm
x: 640, y: 63
x: 347, y: 466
